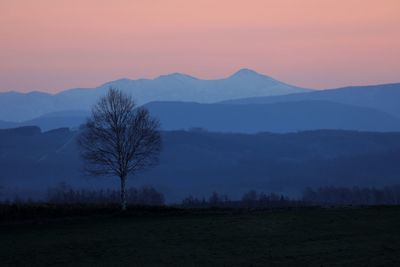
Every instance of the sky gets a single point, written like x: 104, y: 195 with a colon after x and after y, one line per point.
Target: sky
x: 50, y: 45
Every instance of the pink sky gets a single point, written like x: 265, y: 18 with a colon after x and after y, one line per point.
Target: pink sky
x: 52, y: 45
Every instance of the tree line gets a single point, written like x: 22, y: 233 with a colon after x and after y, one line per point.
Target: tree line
x: 330, y: 195
x: 389, y: 195
x: 64, y: 194
x: 149, y: 196
x: 250, y: 199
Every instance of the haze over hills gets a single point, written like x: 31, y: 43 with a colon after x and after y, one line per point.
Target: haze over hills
x: 249, y: 118
x: 8, y: 124
x: 275, y: 117
x: 174, y: 87
x: 199, y: 163
x: 385, y: 97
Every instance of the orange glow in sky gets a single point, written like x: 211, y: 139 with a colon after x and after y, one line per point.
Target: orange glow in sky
x: 53, y: 45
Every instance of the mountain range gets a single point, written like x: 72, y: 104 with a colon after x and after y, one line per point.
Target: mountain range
x: 174, y: 87
x: 245, y: 102
x: 384, y: 97
x: 247, y: 131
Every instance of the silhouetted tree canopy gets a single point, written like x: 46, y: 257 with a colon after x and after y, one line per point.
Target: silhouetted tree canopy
x: 119, y: 138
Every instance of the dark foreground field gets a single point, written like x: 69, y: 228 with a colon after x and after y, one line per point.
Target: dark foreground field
x: 282, y: 237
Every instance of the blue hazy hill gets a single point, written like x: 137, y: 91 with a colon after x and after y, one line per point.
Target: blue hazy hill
x: 195, y: 162
x: 249, y: 118
x: 275, y: 117
x: 385, y: 97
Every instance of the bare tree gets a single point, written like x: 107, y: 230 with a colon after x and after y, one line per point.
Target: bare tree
x: 119, y: 139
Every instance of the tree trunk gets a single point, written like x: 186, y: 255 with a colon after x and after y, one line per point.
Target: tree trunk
x: 123, y: 195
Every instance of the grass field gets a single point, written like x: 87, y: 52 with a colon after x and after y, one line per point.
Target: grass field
x: 282, y: 237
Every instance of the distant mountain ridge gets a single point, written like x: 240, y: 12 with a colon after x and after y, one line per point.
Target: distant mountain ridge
x: 279, y: 117
x: 245, y: 102
x: 173, y: 87
x: 384, y: 97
